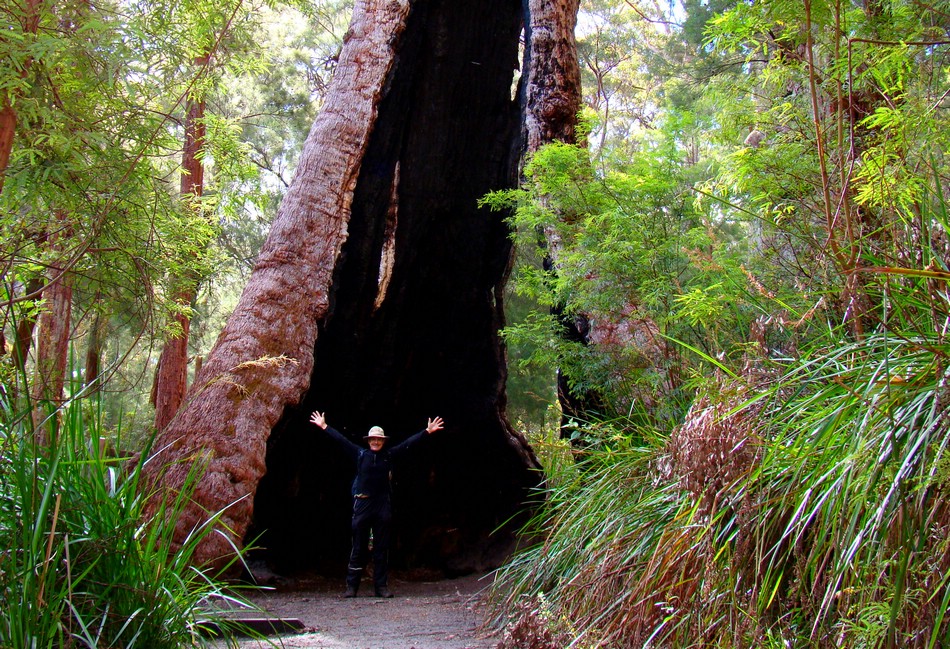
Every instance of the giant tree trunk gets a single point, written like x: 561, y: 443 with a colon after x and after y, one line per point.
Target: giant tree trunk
x: 377, y: 298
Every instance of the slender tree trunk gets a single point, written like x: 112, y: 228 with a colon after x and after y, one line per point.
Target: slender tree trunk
x: 172, y: 377
x: 54, y: 325
x: 22, y: 344
x: 93, y: 364
x: 8, y: 121
x: 53, y: 342
x: 24, y: 330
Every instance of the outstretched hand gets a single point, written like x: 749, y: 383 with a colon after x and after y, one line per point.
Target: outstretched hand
x: 318, y: 419
x: 434, y: 425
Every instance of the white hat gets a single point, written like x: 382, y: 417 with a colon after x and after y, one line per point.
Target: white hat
x: 375, y: 433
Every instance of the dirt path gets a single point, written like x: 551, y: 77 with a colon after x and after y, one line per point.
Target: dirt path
x: 423, y: 615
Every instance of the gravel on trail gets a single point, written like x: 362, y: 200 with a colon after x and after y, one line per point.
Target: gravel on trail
x: 443, y: 614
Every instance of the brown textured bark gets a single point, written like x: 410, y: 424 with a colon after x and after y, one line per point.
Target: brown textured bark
x: 171, y: 376
x: 171, y: 379
x: 53, y: 342
x: 54, y: 326
x: 553, y: 89
x: 7, y: 131
x: 24, y: 329
x: 377, y: 298
x: 92, y: 366
x: 193, y: 171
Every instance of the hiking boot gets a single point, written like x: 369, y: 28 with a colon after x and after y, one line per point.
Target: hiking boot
x: 384, y: 592
x: 349, y: 592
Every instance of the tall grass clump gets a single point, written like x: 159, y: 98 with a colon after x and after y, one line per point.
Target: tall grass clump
x: 80, y: 566
x: 595, y: 524
x: 803, y: 502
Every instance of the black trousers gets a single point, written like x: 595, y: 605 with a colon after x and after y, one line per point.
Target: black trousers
x: 374, y: 514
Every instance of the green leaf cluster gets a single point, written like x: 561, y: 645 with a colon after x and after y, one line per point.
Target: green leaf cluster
x: 655, y: 266
x: 99, y: 91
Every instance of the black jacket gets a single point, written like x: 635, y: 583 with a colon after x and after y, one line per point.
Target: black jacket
x: 373, y: 469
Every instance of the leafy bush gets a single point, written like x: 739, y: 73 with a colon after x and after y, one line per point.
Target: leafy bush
x: 795, y: 506
x: 811, y: 510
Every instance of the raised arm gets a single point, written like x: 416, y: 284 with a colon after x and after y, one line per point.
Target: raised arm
x: 405, y: 445
x: 318, y: 419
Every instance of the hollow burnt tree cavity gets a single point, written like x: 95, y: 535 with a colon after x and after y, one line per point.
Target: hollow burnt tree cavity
x: 377, y: 298
x: 416, y: 308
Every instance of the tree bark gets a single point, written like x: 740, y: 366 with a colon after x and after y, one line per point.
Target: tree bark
x: 171, y: 380
x: 378, y: 299
x: 24, y: 329
x: 8, y: 120
x: 553, y: 88
x: 92, y: 366
x: 54, y: 325
x: 53, y: 343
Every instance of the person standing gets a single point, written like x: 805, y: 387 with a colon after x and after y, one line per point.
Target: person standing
x: 372, y: 499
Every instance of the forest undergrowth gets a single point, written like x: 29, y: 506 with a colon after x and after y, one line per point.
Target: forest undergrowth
x: 81, y: 565
x: 766, y: 463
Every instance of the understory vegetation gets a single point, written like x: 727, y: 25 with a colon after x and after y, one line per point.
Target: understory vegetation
x: 81, y: 564
x: 762, y: 461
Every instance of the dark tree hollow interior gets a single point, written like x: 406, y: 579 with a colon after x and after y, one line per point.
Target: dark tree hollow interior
x: 415, y: 334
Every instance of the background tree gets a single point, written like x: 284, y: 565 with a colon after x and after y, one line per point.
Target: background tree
x: 24, y: 20
x: 206, y: 36
x: 130, y: 242
x: 64, y: 183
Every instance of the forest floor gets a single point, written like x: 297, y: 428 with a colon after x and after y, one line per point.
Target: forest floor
x: 443, y: 614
